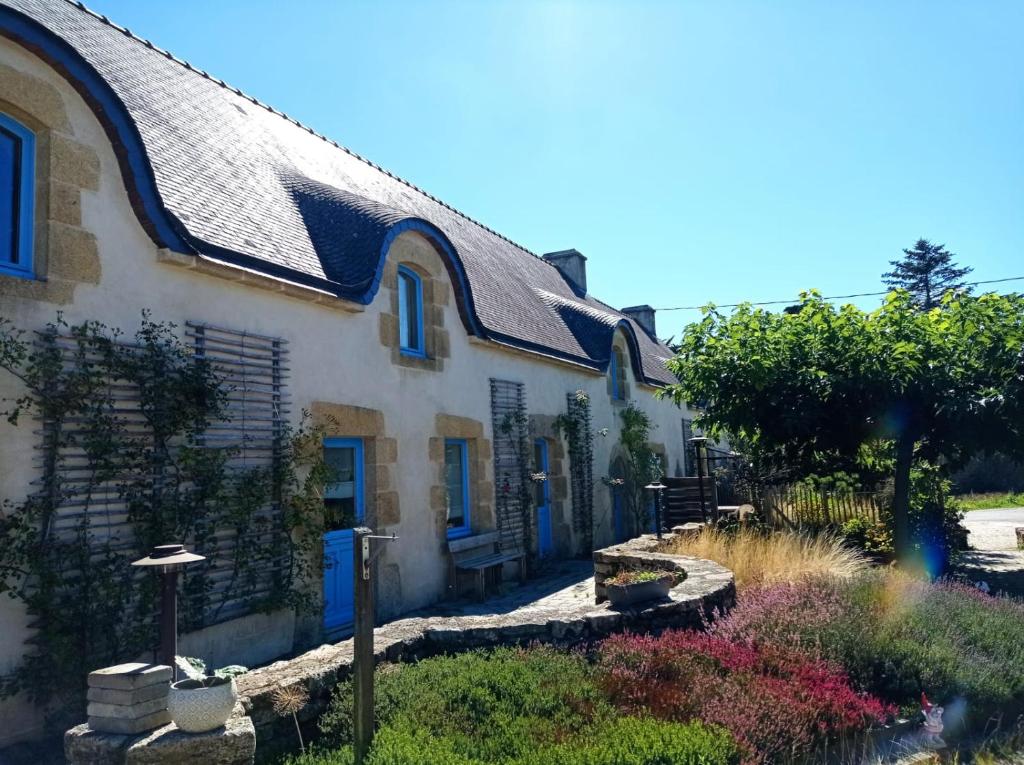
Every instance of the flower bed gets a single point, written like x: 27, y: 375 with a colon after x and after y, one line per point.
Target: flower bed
x: 897, y: 636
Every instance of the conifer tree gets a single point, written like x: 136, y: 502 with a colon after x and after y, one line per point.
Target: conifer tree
x: 927, y: 272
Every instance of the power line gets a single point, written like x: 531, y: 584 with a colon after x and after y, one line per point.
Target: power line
x: 790, y: 301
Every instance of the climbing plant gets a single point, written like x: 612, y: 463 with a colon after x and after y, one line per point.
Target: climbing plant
x: 515, y: 485
x: 574, y: 425
x: 642, y: 465
x: 121, y: 472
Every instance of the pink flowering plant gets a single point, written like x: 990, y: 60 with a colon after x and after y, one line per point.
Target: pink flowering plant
x: 778, y: 702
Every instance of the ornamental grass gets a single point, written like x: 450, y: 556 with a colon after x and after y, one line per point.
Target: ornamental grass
x: 757, y: 558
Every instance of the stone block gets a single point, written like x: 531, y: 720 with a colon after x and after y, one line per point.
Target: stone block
x: 129, y: 676
x: 128, y: 697
x: 127, y: 711
x: 1020, y: 537
x: 130, y: 726
x: 85, y: 746
x: 232, y: 744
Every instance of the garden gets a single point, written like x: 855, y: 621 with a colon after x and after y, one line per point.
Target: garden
x: 811, y: 665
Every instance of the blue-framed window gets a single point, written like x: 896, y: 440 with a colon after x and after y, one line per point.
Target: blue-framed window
x: 456, y: 484
x: 17, y: 196
x: 344, y: 499
x: 410, y: 312
x: 617, y: 374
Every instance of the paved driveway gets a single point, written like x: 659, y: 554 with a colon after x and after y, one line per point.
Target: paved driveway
x: 995, y: 558
x: 994, y: 529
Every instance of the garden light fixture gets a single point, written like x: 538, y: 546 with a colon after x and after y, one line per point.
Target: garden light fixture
x: 168, y: 560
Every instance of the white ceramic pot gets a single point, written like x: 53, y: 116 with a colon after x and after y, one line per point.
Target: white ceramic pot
x: 195, y: 708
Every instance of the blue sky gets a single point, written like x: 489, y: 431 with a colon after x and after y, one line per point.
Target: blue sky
x: 693, y: 151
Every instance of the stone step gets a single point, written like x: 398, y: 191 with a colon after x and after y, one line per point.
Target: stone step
x: 126, y: 711
x: 129, y: 676
x: 130, y: 726
x: 128, y: 697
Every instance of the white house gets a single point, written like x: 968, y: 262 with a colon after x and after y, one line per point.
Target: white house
x: 131, y: 181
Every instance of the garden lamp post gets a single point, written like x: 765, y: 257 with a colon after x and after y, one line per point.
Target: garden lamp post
x: 699, y: 445
x: 656, y: 487
x: 168, y: 560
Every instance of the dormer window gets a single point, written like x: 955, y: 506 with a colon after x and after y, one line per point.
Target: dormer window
x: 617, y: 374
x: 17, y: 188
x: 410, y: 312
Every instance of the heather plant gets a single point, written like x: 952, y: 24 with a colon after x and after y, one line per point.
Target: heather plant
x: 895, y: 636
x: 779, y: 703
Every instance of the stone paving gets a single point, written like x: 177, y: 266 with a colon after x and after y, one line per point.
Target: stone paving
x: 994, y: 558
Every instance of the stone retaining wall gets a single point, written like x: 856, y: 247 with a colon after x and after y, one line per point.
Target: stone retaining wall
x: 707, y: 588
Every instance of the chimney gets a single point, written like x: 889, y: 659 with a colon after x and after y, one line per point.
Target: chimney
x: 644, y: 316
x: 573, y: 267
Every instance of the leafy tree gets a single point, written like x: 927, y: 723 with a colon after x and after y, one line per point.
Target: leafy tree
x: 830, y: 388
x: 927, y: 272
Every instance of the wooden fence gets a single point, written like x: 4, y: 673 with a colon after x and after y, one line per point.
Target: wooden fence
x: 798, y: 505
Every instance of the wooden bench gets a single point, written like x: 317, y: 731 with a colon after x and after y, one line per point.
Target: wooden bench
x: 480, y: 556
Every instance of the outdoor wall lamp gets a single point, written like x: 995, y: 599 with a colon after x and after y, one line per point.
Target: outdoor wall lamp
x: 168, y: 561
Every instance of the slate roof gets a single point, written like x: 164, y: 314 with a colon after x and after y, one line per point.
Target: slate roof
x: 241, y: 182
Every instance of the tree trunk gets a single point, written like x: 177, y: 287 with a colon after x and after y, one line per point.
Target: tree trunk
x: 901, y: 496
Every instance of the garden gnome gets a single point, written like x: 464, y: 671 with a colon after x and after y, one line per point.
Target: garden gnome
x: 932, y: 724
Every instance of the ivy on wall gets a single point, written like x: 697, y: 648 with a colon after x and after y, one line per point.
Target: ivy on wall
x: 575, y: 426
x: 123, y: 465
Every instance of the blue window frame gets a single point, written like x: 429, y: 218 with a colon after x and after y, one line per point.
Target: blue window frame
x: 17, y: 197
x: 456, y: 484
x: 410, y: 312
x: 344, y: 500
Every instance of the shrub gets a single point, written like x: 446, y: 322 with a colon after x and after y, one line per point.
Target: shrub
x: 896, y: 636
x: 517, y: 707
x: 495, y: 705
x: 776, y: 701
x: 757, y: 558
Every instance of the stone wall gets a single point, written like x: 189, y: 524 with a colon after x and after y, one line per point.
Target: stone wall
x: 706, y: 589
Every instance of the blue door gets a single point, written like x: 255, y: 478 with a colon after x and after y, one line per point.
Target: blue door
x: 343, y: 509
x: 542, y: 499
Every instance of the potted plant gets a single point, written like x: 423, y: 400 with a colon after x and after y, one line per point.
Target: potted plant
x: 636, y: 586
x: 202, y: 702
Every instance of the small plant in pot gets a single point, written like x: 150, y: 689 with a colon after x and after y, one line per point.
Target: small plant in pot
x: 202, y: 702
x: 637, y: 586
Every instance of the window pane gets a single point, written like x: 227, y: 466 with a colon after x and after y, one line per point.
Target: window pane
x: 10, y: 154
x: 340, y: 497
x: 408, y: 312
x: 454, y: 472
x: 539, y: 487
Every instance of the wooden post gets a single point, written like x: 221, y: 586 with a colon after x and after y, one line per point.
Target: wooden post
x: 362, y: 660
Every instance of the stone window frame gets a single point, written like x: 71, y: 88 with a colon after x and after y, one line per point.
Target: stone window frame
x: 481, y: 485
x: 436, y: 295
x: 64, y: 254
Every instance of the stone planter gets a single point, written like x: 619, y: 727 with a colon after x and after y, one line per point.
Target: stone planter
x: 624, y: 595
x: 196, y: 708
